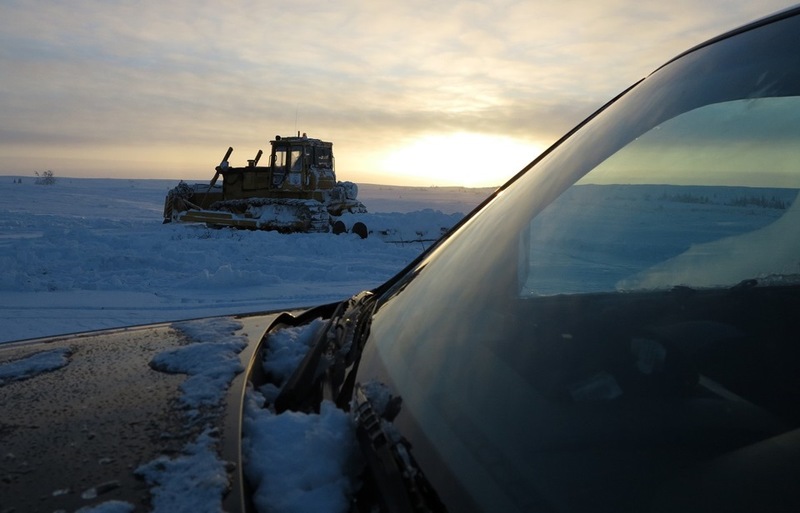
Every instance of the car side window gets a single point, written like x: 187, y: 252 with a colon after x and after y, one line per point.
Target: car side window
x: 678, y: 206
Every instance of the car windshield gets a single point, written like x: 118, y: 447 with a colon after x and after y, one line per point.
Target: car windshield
x: 620, y: 314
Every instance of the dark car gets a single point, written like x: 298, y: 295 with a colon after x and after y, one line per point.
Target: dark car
x: 615, y: 329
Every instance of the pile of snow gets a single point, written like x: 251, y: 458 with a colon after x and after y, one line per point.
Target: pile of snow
x: 284, y: 351
x: 109, y: 507
x: 297, y: 462
x: 33, y: 365
x: 211, y: 360
x: 85, y: 254
x: 413, y: 227
x: 195, y: 481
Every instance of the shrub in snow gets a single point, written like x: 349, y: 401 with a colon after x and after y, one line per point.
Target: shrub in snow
x: 45, y: 178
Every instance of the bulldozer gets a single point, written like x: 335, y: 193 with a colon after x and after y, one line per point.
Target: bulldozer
x: 296, y: 191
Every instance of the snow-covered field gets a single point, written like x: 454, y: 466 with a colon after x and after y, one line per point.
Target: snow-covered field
x: 86, y: 254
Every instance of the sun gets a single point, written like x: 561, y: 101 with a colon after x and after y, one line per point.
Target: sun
x: 462, y: 158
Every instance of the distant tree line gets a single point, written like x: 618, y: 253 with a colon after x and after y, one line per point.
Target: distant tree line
x: 758, y: 201
x: 740, y: 201
x: 684, y: 197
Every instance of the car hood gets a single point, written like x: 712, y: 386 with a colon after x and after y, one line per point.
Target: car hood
x: 97, y: 417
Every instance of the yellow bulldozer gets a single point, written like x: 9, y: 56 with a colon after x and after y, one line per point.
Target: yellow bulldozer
x: 296, y: 191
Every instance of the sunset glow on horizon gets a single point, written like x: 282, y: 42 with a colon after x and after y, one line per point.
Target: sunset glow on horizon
x: 469, y: 159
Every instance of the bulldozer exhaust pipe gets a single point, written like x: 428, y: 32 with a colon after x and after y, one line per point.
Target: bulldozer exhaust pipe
x: 222, y: 165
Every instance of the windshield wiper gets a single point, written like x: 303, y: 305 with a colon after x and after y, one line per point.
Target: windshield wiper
x: 394, y: 480
x: 327, y: 370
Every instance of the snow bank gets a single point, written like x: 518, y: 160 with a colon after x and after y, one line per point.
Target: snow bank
x: 34, y: 365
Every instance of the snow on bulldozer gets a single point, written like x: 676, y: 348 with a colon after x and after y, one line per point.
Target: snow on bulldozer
x: 296, y: 191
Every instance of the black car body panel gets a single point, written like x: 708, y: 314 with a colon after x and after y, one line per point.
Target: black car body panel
x: 73, y: 437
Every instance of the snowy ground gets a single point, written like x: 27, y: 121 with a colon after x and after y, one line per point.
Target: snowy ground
x: 85, y: 254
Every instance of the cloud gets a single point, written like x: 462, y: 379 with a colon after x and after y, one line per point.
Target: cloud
x: 138, y: 74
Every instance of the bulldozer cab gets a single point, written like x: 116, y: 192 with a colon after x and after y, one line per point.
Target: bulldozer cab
x: 295, y: 158
x: 298, y: 167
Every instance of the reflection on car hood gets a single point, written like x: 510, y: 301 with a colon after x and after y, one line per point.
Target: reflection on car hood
x: 97, y: 417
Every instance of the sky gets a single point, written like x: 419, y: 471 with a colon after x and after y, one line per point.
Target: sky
x: 410, y: 93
